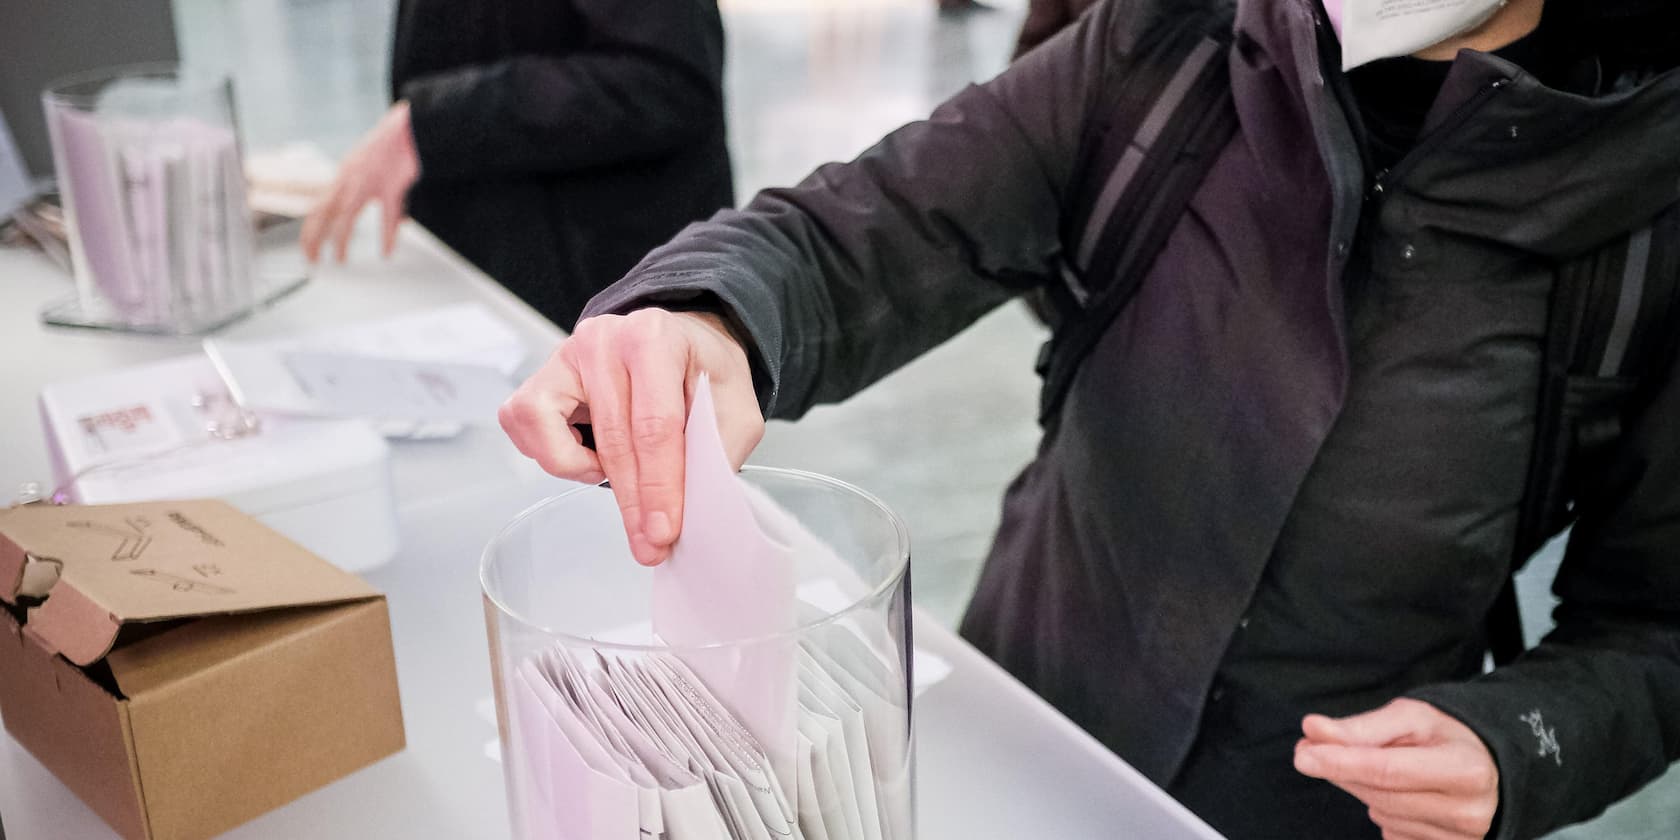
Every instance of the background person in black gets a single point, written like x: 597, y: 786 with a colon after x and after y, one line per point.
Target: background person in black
x: 550, y: 143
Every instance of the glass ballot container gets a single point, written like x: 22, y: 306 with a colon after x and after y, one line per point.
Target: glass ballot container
x: 148, y: 166
x: 757, y: 685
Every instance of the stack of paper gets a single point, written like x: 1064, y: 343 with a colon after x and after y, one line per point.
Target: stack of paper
x: 158, y: 211
x: 796, y: 735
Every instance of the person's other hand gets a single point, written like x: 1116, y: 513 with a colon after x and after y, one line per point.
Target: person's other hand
x: 381, y: 168
x: 631, y: 378
x: 1422, y: 774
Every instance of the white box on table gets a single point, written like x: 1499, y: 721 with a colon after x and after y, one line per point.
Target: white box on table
x: 145, y: 433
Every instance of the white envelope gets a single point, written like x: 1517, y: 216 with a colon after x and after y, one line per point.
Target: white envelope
x: 811, y: 818
x: 732, y: 749
x: 830, y: 700
x: 864, y: 679
x: 831, y: 767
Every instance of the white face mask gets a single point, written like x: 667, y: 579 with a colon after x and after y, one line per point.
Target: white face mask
x: 1375, y: 29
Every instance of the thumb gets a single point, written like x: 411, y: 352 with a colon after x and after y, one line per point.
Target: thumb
x: 1395, y: 723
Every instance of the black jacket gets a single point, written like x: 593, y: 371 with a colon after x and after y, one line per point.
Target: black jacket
x: 1312, y: 384
x: 560, y: 141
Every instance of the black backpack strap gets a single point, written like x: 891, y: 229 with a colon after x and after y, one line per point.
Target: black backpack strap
x: 1614, y: 330
x: 1172, y: 113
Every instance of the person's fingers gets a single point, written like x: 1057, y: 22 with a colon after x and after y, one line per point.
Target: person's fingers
x: 344, y: 222
x: 537, y: 419
x: 1392, y: 768
x: 1469, y: 816
x: 391, y: 216
x: 1403, y: 827
x: 606, y: 387
x: 657, y: 362
x: 315, y: 225
x: 1399, y: 722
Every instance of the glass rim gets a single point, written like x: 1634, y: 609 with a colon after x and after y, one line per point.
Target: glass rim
x: 889, y: 582
x: 71, y: 87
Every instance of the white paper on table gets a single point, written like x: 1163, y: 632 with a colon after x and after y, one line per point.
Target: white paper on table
x: 464, y: 333
x: 460, y: 340
x: 727, y: 580
x: 331, y: 384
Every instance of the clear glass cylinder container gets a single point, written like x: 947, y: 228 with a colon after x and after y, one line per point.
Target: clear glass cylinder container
x: 149, y: 169
x: 607, y: 731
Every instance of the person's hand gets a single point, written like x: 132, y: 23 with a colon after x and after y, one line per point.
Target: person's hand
x: 631, y: 378
x: 381, y: 168
x: 1422, y: 774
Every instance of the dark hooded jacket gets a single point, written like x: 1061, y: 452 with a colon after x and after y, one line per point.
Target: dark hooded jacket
x: 560, y: 141
x: 1287, y: 479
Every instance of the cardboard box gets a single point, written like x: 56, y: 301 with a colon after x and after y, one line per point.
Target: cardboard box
x: 183, y: 668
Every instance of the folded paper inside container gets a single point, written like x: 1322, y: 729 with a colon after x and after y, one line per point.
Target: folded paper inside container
x: 756, y: 685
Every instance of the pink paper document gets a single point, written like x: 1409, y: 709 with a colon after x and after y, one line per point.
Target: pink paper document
x: 730, y: 578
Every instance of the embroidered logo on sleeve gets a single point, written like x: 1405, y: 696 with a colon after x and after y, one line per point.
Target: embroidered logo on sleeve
x: 1546, y: 736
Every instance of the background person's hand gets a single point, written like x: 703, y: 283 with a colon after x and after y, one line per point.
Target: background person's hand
x: 1422, y: 774
x: 381, y: 168
x: 631, y: 378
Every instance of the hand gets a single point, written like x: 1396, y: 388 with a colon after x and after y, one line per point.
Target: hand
x: 381, y: 169
x: 1423, y: 774
x: 631, y: 378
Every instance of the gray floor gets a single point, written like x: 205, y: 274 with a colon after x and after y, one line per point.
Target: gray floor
x: 809, y: 81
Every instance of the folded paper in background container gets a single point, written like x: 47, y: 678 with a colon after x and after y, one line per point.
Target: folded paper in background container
x: 161, y: 239
x: 706, y: 698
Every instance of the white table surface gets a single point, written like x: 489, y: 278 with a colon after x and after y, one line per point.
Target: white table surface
x: 993, y: 760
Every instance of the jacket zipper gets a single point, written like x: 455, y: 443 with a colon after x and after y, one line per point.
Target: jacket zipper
x: 1383, y: 179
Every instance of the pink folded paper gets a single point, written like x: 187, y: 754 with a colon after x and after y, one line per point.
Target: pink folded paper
x: 731, y: 577
x: 569, y: 786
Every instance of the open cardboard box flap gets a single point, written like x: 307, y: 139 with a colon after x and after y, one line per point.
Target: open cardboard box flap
x: 104, y: 567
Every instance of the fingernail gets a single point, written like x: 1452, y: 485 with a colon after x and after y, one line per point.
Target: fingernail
x: 1305, y: 761
x: 644, y: 551
x: 659, y: 528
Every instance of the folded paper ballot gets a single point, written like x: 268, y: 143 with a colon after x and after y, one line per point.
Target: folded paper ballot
x: 787, y: 735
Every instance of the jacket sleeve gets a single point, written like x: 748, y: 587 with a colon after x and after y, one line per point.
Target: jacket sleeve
x: 1592, y: 714
x: 647, y: 81
x: 867, y: 264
